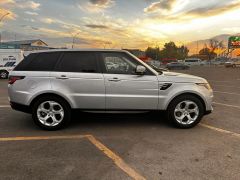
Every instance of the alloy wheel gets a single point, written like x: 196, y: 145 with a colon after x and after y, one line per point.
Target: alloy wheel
x: 50, y: 113
x: 186, y: 112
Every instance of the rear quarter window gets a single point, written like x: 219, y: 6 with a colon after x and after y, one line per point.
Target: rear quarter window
x: 45, y: 61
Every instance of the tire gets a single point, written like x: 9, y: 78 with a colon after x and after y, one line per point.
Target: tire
x: 51, y: 113
x: 234, y: 66
x: 3, y: 74
x: 176, y: 110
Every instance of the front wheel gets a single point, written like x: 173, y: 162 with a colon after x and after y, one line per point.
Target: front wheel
x: 51, y: 113
x: 185, y: 111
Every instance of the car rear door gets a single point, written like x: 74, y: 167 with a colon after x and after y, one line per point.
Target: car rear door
x: 77, y: 77
x: 125, y: 90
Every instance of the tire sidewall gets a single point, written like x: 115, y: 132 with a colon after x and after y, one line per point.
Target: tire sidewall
x: 65, y: 106
x: 175, y: 102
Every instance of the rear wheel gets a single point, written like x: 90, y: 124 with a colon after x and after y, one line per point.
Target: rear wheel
x: 185, y: 111
x: 51, y: 113
x: 3, y: 74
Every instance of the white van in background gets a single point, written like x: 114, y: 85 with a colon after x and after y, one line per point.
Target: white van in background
x: 193, y: 62
x: 9, y: 58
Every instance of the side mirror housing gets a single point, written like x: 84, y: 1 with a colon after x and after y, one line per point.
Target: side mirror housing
x: 140, y: 69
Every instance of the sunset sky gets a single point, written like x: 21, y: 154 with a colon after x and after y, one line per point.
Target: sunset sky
x: 119, y: 23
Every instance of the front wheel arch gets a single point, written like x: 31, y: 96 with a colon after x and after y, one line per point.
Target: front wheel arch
x: 191, y: 94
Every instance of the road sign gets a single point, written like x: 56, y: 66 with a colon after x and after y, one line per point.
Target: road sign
x: 234, y: 42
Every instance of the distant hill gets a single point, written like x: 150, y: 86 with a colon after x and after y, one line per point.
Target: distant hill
x: 196, y: 46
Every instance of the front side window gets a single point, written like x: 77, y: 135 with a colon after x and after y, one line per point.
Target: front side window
x: 78, y: 62
x: 119, y: 63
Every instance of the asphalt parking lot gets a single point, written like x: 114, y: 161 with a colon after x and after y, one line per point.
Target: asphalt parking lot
x: 138, y: 146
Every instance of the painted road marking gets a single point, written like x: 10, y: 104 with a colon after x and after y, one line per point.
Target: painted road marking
x: 30, y: 138
x: 220, y: 130
x: 106, y: 151
x: 231, y: 81
x: 226, y: 86
x: 223, y: 92
x: 116, y: 159
x: 228, y: 105
x: 5, y: 106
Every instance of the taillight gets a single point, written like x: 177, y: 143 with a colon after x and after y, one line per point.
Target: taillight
x: 13, y: 79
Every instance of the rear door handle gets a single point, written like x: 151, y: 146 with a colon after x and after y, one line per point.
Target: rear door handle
x: 63, y: 77
x: 114, y: 80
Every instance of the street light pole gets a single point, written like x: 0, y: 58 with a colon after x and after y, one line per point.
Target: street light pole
x: 73, y: 40
x: 1, y: 19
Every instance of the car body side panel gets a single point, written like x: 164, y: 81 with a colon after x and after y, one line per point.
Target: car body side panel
x: 83, y: 90
x: 131, y: 92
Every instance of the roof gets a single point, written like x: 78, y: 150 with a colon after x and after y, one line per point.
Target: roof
x: 24, y: 42
x: 75, y: 50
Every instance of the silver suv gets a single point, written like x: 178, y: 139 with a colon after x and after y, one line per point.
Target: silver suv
x: 50, y: 84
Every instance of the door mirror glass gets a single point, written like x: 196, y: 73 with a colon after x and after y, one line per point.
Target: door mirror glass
x: 140, y: 69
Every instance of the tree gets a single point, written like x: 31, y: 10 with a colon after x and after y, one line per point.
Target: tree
x: 153, y: 53
x: 170, y: 50
x: 207, y: 52
x: 211, y: 47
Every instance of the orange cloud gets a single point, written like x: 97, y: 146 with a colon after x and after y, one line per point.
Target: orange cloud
x: 7, y: 14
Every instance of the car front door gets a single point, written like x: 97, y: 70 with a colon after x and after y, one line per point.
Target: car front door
x: 126, y: 90
x: 77, y: 77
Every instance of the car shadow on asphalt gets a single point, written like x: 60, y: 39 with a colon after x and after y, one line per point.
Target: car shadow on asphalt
x: 119, y: 120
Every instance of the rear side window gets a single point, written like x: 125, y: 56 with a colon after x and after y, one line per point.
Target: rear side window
x: 39, y: 62
x: 78, y: 62
x: 24, y: 63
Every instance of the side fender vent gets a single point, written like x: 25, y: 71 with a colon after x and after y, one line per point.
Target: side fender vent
x: 165, y: 86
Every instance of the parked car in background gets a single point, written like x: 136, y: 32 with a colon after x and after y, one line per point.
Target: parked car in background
x: 236, y: 63
x: 180, y: 61
x: 4, y: 70
x: 232, y: 63
x: 220, y: 60
x: 156, y: 68
x: 176, y: 65
x: 50, y: 84
x: 192, y: 61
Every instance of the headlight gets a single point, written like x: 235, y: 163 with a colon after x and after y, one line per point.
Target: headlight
x: 206, y: 85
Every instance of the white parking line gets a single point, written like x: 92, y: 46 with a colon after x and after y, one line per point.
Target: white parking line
x: 220, y: 130
x: 223, y: 81
x: 5, y: 106
x: 227, y: 86
x: 228, y: 105
x: 223, y: 92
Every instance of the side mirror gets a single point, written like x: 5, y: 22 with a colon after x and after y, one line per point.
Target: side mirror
x: 140, y: 69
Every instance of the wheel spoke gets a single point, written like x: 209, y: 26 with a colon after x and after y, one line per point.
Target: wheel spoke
x: 190, y: 119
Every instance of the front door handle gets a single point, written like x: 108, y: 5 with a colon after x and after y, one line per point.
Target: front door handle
x: 62, y: 77
x: 114, y: 80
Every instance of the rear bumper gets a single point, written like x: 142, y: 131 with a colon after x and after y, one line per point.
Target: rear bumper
x: 20, y: 107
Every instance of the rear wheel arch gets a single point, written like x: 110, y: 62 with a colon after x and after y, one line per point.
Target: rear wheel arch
x: 35, y: 99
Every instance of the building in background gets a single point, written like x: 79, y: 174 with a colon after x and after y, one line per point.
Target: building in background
x: 25, y: 45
